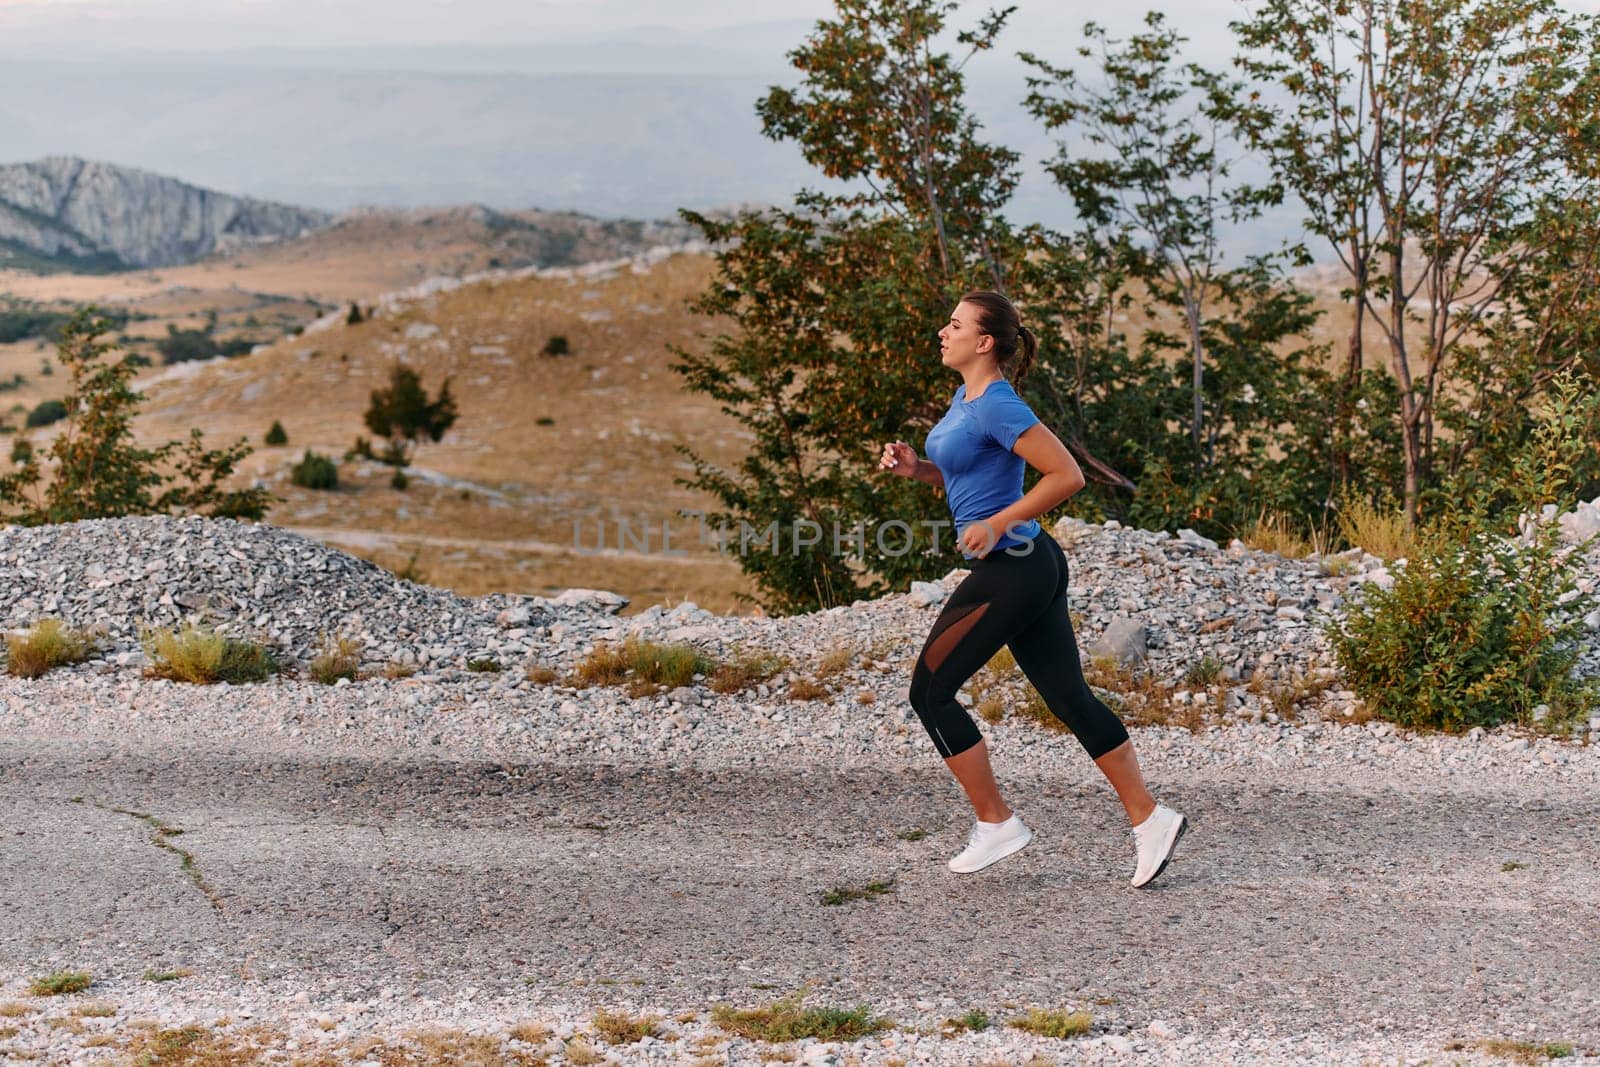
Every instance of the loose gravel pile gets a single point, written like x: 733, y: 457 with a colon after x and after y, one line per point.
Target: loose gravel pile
x: 1257, y: 617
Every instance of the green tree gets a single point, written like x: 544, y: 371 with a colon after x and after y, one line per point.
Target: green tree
x: 1424, y: 138
x: 405, y: 415
x: 96, y: 469
x: 834, y: 303
x: 1148, y: 160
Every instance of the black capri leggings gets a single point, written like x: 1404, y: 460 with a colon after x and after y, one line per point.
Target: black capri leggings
x: 1019, y: 601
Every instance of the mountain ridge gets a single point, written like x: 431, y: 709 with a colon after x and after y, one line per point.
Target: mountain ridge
x: 91, y: 215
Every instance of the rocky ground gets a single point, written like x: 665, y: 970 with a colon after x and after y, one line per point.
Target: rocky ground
x: 452, y: 858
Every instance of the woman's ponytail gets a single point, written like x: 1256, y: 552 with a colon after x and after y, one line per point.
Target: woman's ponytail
x: 1027, y: 347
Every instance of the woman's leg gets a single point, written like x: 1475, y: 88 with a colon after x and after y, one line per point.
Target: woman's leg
x: 980, y: 615
x: 1047, y: 652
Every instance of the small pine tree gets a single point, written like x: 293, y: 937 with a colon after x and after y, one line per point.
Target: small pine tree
x: 355, y: 318
x: 404, y: 414
x: 276, y: 435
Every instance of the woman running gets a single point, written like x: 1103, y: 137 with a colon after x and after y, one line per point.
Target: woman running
x: 1016, y: 593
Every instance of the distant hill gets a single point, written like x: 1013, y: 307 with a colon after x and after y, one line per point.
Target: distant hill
x: 72, y: 213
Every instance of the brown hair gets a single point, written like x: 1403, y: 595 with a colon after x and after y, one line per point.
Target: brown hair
x: 1014, y: 344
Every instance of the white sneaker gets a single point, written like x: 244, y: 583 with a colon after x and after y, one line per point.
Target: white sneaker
x: 989, y: 843
x: 1155, y: 839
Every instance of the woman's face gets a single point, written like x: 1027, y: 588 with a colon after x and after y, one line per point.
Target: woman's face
x: 961, y: 342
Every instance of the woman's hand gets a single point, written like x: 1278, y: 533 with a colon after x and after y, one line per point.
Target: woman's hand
x: 978, y: 539
x: 899, y: 458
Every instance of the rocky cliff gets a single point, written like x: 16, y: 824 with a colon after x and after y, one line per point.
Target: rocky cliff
x: 73, y: 212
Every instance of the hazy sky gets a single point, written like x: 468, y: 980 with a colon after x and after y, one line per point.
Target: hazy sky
x: 745, y: 24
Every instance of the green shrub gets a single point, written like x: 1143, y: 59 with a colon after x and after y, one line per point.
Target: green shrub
x: 1474, y: 633
x: 48, y: 644
x: 45, y: 413
x: 1482, y: 624
x: 315, y: 471
x: 276, y: 435
x: 198, y: 654
x: 557, y: 346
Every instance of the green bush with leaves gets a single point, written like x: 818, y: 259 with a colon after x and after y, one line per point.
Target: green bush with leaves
x: 99, y: 472
x: 1483, y: 625
x: 315, y: 471
x: 276, y: 435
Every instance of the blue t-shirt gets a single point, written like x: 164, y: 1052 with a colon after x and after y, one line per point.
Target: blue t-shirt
x: 971, y: 446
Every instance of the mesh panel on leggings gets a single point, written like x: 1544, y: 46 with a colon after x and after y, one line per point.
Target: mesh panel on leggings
x: 944, y: 642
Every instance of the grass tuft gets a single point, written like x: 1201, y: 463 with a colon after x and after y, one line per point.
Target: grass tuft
x: 484, y: 666
x: 47, y: 644
x: 845, y: 894
x: 1529, y: 1052
x: 168, y: 976
x: 974, y: 1021
x: 1274, y: 531
x: 646, y: 666
x: 835, y: 661
x: 1383, y: 533
x: 395, y: 670
x: 1056, y: 1023
x: 789, y: 1020
x: 806, y: 689
x: 1206, y: 672
x: 620, y: 1028
x: 340, y: 658
x: 200, y: 655
x: 59, y: 982
x: 746, y: 670
x: 540, y: 675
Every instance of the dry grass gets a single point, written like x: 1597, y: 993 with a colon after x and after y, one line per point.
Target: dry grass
x: 789, y: 1020
x: 1382, y: 532
x: 583, y: 1054
x: 541, y: 675
x: 1143, y: 700
x: 620, y: 1028
x: 1513, y: 1051
x: 806, y: 689
x: 14, y: 1009
x: 1288, y: 696
x: 59, y: 982
x: 195, y: 653
x: 531, y: 1032
x: 835, y: 661
x: 991, y: 708
x: 866, y: 696
x: 198, y: 1046
x: 1053, y: 1023
x: 95, y: 1011
x: 340, y: 658
x: 1273, y: 531
x: 47, y: 644
x: 747, y: 669
x: 647, y: 667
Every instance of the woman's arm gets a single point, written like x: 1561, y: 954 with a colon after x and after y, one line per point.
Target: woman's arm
x: 928, y: 472
x: 1062, y: 477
